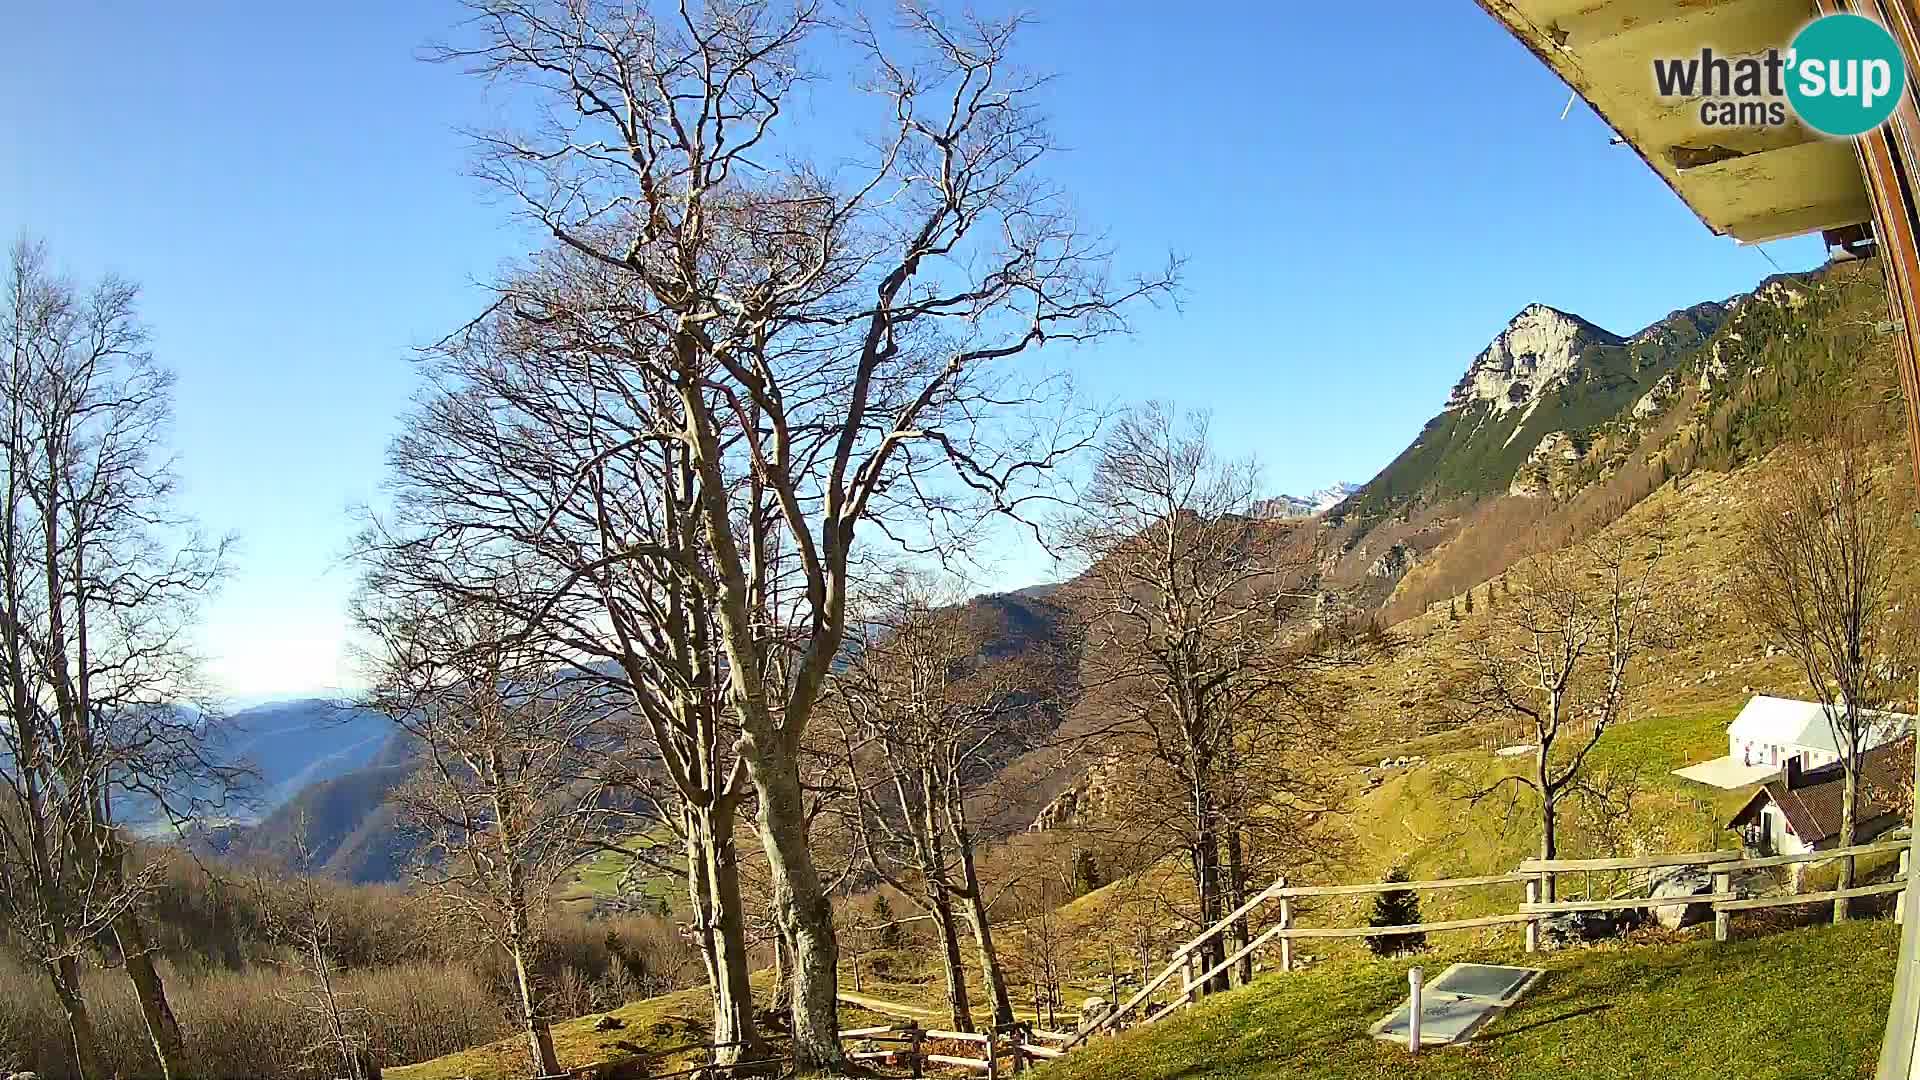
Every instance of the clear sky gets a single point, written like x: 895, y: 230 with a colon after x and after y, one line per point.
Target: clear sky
x: 1365, y: 194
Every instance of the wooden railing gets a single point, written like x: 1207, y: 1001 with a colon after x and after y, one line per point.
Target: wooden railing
x: 1019, y: 1047
x: 1536, y: 878
x: 1725, y: 897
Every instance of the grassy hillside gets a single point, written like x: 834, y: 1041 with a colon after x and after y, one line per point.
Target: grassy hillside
x: 1804, y: 1004
x: 640, y: 1029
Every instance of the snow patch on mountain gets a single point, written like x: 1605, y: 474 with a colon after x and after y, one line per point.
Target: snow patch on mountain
x: 1319, y: 502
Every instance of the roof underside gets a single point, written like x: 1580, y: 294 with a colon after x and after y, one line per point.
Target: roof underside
x: 1751, y: 183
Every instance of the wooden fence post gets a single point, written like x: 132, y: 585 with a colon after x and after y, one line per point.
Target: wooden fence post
x: 1533, y: 924
x: 993, y: 1052
x: 1286, y: 923
x: 1019, y: 1037
x: 1900, y: 898
x: 915, y: 1060
x: 1188, y: 989
x: 1722, y: 918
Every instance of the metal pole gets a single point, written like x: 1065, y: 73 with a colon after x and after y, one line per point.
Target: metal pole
x: 1415, y: 977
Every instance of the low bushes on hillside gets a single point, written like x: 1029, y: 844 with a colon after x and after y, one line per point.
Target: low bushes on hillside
x: 413, y: 985
x: 250, y: 1023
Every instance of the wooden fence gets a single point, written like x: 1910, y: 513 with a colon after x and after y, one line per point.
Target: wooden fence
x: 1726, y: 897
x: 1537, y: 879
x: 1014, y: 1050
x: 1018, y: 1047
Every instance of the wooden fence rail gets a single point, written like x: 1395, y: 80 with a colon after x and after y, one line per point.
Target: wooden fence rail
x: 1017, y: 1046
x: 1025, y: 1045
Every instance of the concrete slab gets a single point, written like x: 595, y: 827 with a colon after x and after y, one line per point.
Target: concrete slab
x: 1726, y: 773
x: 1455, y: 1006
x: 1443, y: 1019
x: 1495, y: 982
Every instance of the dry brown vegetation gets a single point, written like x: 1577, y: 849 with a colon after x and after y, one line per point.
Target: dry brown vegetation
x: 414, y: 992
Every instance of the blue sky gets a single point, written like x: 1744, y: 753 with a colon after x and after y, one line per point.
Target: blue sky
x: 1364, y: 195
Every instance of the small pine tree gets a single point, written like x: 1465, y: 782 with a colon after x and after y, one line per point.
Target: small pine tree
x: 1398, y: 907
x: 1469, y: 601
x: 890, y: 936
x: 1489, y: 596
x: 1453, y: 610
x: 1086, y: 872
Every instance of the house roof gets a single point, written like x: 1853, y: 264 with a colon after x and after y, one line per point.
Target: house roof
x: 1751, y: 183
x: 1812, y: 807
x: 1786, y: 722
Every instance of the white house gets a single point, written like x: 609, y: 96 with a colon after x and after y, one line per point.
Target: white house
x: 1797, y: 811
x: 1771, y: 732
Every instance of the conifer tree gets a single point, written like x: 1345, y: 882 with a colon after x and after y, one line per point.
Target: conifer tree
x: 1086, y: 872
x: 1398, y: 907
x: 890, y: 934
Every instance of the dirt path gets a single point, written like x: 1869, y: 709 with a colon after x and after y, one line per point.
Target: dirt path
x: 890, y: 1008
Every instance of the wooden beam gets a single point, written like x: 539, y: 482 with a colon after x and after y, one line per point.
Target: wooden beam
x: 1402, y: 886
x: 1642, y: 862
x: 1561, y: 907
x: 1816, y: 856
x: 1411, y: 928
x: 1813, y: 897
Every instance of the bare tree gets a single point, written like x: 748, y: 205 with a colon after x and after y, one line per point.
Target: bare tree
x: 99, y: 582
x: 296, y: 914
x: 509, y: 792
x: 1562, y: 654
x: 830, y: 332
x: 929, y: 713
x: 539, y: 479
x: 1817, y: 577
x: 1205, y: 649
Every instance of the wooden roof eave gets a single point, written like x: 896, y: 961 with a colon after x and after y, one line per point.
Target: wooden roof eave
x: 1754, y: 184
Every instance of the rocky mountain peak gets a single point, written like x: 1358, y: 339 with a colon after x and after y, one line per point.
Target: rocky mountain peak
x: 1319, y: 502
x: 1538, y: 351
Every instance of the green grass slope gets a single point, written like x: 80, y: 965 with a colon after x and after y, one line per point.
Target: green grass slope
x: 1802, y: 1004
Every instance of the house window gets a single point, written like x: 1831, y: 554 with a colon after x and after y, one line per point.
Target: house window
x: 1773, y: 755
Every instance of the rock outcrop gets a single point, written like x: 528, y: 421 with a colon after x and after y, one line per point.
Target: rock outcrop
x: 1676, y: 888
x: 1089, y: 798
x: 1394, y: 562
x: 1537, y: 352
x: 1548, y: 467
x: 1656, y: 398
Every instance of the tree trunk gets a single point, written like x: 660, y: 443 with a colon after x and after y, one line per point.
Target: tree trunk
x: 1237, y: 897
x: 1205, y: 856
x: 1849, y: 805
x: 782, y: 1000
x: 539, y: 1033
x: 990, y: 970
x: 940, y: 904
x: 713, y: 882
x: 800, y: 905
x: 1549, y: 848
x: 1549, y: 818
x: 65, y: 973
x: 162, y: 1028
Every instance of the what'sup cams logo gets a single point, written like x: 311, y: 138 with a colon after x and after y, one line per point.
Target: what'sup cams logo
x: 1842, y: 76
